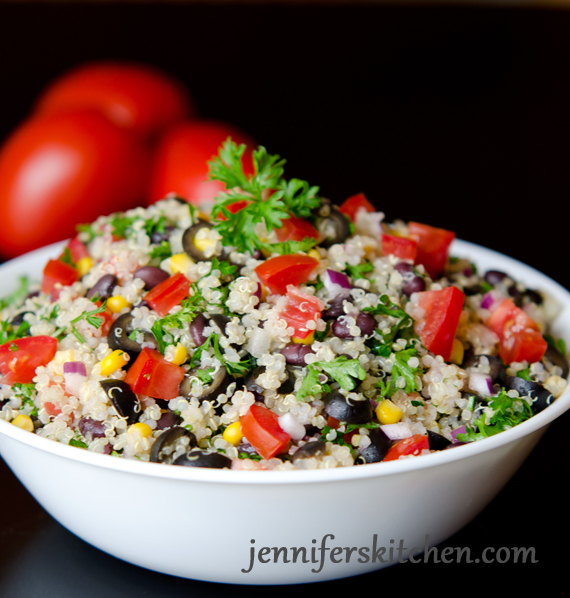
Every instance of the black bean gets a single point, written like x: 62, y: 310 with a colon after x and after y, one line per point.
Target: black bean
x: 378, y: 448
x: 197, y: 329
x: 494, y: 277
x: 151, y: 276
x: 157, y: 238
x: 349, y: 411
x: 366, y: 323
x: 103, y: 288
x: 335, y: 309
x: 199, y: 458
x: 416, y: 285
x: 404, y: 268
x: 315, y: 448
x: 340, y: 328
x: 168, y: 420
x: 91, y: 428
x: 295, y: 353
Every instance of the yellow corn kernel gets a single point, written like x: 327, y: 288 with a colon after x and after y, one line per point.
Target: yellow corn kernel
x: 25, y: 422
x: 308, y: 340
x: 314, y: 254
x: 388, y: 412
x: 201, y: 216
x: 457, y: 352
x: 180, y: 354
x: 232, y: 433
x: 117, y: 303
x: 84, y: 265
x: 180, y: 263
x: 114, y: 362
x: 143, y: 430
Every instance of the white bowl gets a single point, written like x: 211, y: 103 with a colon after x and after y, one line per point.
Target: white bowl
x: 212, y: 520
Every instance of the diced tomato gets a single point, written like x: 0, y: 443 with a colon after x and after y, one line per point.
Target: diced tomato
x: 443, y: 309
x: 409, y: 446
x: 52, y: 409
x: 332, y: 422
x: 153, y: 376
x: 261, y: 428
x: 519, y: 334
x: 353, y: 204
x: 77, y: 249
x: 56, y: 271
x: 402, y: 247
x: 433, y: 246
x: 170, y: 292
x: 278, y: 272
x: 20, y: 358
x: 295, y: 229
x: 300, y: 309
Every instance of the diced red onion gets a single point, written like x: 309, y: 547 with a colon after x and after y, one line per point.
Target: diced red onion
x: 291, y: 426
x: 488, y: 300
x: 74, y: 374
x: 454, y: 433
x: 481, y: 384
x: 336, y: 283
x: 258, y: 292
x: 397, y: 431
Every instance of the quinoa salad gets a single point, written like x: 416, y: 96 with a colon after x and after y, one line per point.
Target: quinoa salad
x: 273, y: 331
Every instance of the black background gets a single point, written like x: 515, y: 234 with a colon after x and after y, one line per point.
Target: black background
x: 453, y: 116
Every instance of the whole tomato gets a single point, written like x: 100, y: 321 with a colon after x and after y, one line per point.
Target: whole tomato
x: 135, y: 96
x: 63, y: 169
x: 181, y: 160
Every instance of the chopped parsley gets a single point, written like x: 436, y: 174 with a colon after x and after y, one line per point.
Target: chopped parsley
x: 18, y: 296
x: 341, y: 370
x: 91, y: 318
x: 356, y: 272
x: 67, y: 258
x: 77, y: 443
x: 27, y: 393
x: 288, y: 247
x: 559, y: 344
x: 403, y: 324
x: 507, y: 412
x: 7, y: 332
x: 289, y: 198
x: 121, y: 224
x: 240, y: 368
x: 161, y: 252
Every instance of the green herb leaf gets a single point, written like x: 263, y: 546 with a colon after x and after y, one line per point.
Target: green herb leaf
x: 77, y: 443
x: 289, y: 247
x: 18, y: 296
x: 161, y: 252
x: 90, y: 317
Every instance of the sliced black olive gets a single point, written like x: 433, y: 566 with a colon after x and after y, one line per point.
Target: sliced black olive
x: 437, y: 442
x: 219, y: 384
x: 351, y: 412
x: 555, y: 357
x: 378, y: 448
x: 103, y: 288
x: 199, y: 458
x: 541, y: 397
x: 168, y: 442
x: 124, y: 400
x: 188, y: 241
x: 288, y: 385
x: 251, y: 384
x: 221, y: 322
x: 496, y: 367
x: 118, y: 337
x: 334, y: 227
x: 314, y: 448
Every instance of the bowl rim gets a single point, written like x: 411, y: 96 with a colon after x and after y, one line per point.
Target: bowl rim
x: 340, y: 474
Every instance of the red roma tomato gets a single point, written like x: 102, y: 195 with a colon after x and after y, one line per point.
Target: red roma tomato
x: 300, y: 309
x: 58, y: 171
x: 295, y: 229
x: 134, y: 96
x: 355, y: 203
x: 402, y: 247
x: 409, y: 446
x: 433, y: 246
x: 153, y: 376
x: 278, y: 272
x: 443, y: 309
x: 261, y: 428
x: 519, y: 334
x: 20, y: 358
x: 182, y: 156
x: 170, y: 292
x: 58, y: 272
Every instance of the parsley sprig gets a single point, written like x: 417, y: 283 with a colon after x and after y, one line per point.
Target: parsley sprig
x: 288, y: 198
x: 341, y: 369
x: 91, y: 318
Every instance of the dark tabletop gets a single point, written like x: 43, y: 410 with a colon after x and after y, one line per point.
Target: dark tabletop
x: 457, y: 117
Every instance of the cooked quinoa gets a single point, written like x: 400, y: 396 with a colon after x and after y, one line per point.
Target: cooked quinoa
x: 352, y: 383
